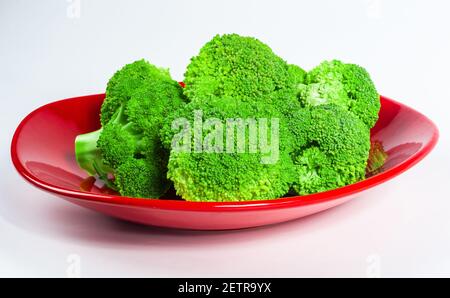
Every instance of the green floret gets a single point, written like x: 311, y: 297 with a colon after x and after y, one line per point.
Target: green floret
x: 229, y: 177
x: 332, y: 147
x: 225, y: 175
x: 129, y: 139
x: 120, y: 140
x: 141, y: 178
x: 347, y: 85
x: 297, y: 73
x: 232, y: 66
x: 148, y: 107
x: 117, y: 149
x: 126, y: 81
x: 315, y: 94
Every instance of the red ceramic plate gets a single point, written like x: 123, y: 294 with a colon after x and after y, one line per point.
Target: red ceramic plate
x: 43, y: 153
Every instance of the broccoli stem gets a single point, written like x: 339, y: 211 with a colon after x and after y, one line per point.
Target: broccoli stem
x: 377, y: 158
x: 88, y: 155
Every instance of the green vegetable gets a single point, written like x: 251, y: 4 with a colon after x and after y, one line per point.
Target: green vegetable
x: 331, y: 148
x: 236, y: 67
x: 224, y: 176
x: 297, y: 73
x: 126, y: 153
x: 125, y: 82
x: 347, y: 85
x: 142, y: 178
x: 316, y: 134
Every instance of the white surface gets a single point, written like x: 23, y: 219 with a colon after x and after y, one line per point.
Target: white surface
x: 401, y: 228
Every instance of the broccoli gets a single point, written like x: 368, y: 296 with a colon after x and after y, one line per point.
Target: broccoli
x: 153, y: 134
x: 124, y: 83
x: 331, y: 148
x: 126, y: 153
x: 236, y: 67
x: 347, y: 85
x: 297, y: 73
x: 142, y: 178
x: 222, y: 175
x: 377, y: 158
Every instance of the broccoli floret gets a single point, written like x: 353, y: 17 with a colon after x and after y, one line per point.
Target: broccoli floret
x: 129, y: 139
x: 229, y: 177
x: 314, y: 94
x: 297, y: 73
x: 120, y: 140
x: 331, y: 148
x: 148, y: 107
x: 225, y: 175
x: 347, y: 85
x: 124, y: 83
x: 232, y: 66
x: 141, y: 178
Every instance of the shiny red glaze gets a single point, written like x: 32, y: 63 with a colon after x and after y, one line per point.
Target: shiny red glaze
x: 43, y: 153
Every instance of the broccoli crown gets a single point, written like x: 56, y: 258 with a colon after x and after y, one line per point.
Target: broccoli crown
x: 150, y: 104
x: 347, y: 85
x: 225, y: 175
x: 331, y: 148
x: 126, y: 81
x: 129, y: 138
x: 141, y: 178
x: 236, y: 67
x: 119, y: 140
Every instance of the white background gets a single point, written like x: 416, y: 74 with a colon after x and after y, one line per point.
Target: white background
x: 49, y: 51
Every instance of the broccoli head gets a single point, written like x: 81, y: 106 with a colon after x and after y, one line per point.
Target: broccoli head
x: 347, y: 85
x: 124, y: 83
x: 232, y: 66
x: 227, y: 173
x: 331, y: 148
x: 142, y: 178
x: 126, y: 153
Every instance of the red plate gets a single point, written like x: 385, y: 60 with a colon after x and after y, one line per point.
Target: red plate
x: 43, y: 153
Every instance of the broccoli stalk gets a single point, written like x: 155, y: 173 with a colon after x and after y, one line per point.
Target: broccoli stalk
x: 100, y: 151
x: 88, y: 155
